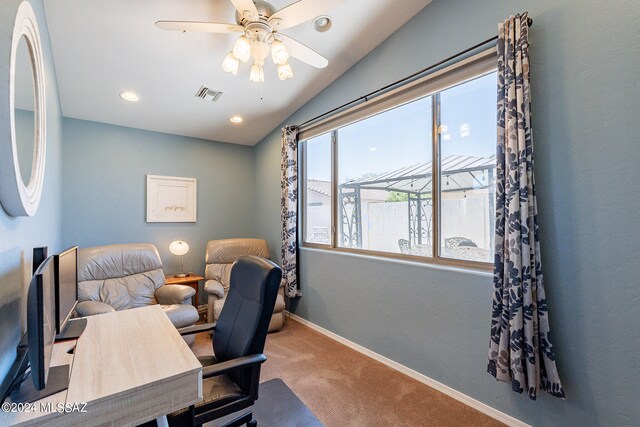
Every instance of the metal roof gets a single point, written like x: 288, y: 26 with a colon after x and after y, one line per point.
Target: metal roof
x: 459, y: 173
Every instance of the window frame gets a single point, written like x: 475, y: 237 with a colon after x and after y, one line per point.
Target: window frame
x: 468, y: 69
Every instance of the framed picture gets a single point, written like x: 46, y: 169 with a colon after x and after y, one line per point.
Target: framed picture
x: 171, y: 199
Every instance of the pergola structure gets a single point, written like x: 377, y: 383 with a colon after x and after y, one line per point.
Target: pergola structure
x: 459, y: 173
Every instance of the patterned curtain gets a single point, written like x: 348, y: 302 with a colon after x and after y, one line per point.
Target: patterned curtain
x: 289, y: 215
x: 520, y: 349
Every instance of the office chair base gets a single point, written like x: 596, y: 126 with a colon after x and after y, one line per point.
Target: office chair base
x: 244, y: 419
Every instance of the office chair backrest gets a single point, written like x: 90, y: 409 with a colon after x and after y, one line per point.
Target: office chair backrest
x: 241, y: 329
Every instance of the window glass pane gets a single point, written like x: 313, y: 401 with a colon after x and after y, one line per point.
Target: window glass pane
x: 467, y: 147
x: 384, y: 181
x: 318, y: 189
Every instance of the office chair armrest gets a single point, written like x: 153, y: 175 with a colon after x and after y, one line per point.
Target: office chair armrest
x: 91, y: 308
x: 233, y: 364
x: 190, y: 330
x: 174, y: 294
x: 214, y: 288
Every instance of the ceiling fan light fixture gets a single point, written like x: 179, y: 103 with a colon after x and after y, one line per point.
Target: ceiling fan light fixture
x: 242, y: 49
x: 259, y: 51
x: 230, y: 64
x: 279, y: 53
x: 284, y: 71
x: 257, y: 29
x: 257, y: 74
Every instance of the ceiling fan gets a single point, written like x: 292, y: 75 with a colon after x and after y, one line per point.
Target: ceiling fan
x: 259, y: 23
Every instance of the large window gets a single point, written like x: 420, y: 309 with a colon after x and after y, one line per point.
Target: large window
x: 467, y: 169
x: 412, y: 176
x: 373, y: 208
x: 318, y: 190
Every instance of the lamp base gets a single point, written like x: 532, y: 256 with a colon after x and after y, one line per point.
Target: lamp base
x: 181, y: 275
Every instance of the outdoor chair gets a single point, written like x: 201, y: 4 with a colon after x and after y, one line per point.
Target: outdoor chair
x: 405, y: 246
x: 454, y: 242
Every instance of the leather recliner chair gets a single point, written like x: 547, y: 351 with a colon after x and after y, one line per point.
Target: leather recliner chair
x: 220, y: 256
x: 120, y: 277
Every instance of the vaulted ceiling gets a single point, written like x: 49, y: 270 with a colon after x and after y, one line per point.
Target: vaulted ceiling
x: 102, y: 48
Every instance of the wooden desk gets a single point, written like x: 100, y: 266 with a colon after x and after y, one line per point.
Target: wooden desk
x: 129, y: 367
x: 191, y: 281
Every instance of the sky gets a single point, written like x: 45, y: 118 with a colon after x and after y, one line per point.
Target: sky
x: 402, y: 136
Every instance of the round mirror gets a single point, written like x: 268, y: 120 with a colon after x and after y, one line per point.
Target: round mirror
x: 22, y: 111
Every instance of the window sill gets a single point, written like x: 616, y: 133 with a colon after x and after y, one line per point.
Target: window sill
x: 485, y: 270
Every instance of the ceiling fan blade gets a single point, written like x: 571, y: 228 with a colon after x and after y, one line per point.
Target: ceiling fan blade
x: 302, y: 11
x: 303, y: 53
x: 246, y: 5
x: 206, y: 27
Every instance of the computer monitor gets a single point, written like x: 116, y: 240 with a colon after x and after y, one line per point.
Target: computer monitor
x: 66, y: 268
x: 39, y: 255
x: 41, y: 334
x: 41, y: 329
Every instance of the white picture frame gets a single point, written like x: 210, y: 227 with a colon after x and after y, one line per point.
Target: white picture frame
x: 171, y: 199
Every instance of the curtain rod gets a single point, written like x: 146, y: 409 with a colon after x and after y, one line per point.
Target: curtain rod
x: 366, y: 97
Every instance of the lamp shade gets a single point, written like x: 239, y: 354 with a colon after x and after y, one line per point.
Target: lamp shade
x: 279, y: 53
x: 179, y: 247
x: 257, y: 74
x: 284, y: 71
x: 242, y: 49
x: 230, y: 64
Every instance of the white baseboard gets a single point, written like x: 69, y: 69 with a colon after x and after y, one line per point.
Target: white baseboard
x: 469, y: 401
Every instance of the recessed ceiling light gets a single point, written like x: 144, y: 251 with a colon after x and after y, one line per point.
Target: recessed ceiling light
x: 235, y: 119
x: 373, y: 149
x: 129, y: 96
x: 322, y: 23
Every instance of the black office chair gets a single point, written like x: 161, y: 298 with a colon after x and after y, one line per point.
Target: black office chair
x: 231, y: 377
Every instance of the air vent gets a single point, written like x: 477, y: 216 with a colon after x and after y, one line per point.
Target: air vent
x: 208, y: 94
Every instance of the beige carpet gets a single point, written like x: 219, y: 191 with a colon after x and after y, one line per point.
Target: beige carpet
x: 345, y: 388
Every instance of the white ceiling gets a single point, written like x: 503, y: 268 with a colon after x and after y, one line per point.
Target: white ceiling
x: 101, y: 48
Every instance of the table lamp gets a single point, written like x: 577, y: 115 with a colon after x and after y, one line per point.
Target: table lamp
x: 180, y: 248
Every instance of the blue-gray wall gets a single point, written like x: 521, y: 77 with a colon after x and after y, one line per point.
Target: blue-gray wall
x: 18, y: 236
x: 586, y: 92
x: 585, y: 70
x: 104, y: 197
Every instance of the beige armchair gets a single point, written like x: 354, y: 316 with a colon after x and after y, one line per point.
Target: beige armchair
x: 120, y: 277
x: 221, y: 254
